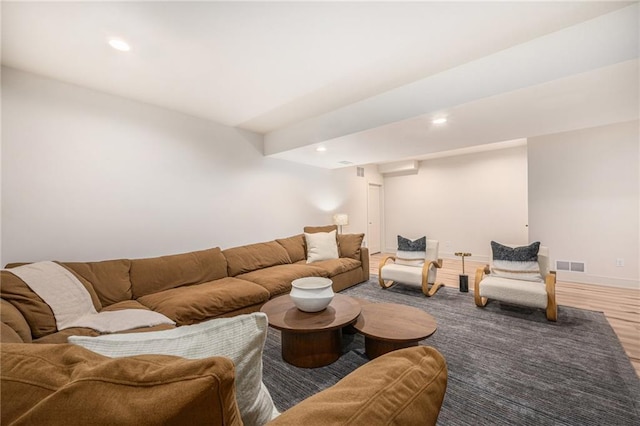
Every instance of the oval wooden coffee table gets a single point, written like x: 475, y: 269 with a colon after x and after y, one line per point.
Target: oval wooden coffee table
x: 390, y: 326
x: 311, y: 339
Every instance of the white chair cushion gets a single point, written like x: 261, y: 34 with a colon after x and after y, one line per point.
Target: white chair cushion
x: 406, y: 274
x: 402, y: 273
x: 527, y: 293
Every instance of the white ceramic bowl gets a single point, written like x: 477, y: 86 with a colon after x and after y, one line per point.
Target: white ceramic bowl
x: 311, y: 294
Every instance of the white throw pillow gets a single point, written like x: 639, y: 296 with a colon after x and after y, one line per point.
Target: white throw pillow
x: 240, y: 338
x: 321, y: 246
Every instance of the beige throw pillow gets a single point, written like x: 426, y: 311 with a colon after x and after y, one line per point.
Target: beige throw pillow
x: 321, y: 246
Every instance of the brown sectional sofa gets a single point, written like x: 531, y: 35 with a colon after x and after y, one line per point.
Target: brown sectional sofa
x: 188, y: 288
x: 61, y: 382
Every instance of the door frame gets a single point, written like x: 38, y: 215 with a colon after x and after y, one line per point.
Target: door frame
x: 380, y: 213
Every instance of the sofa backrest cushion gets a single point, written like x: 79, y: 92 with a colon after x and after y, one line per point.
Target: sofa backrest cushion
x: 8, y: 334
x: 36, y: 312
x: 325, y: 228
x: 162, y: 273
x: 243, y: 259
x: 63, y: 384
x: 349, y: 245
x: 295, y: 247
x: 12, y: 318
x: 109, y: 278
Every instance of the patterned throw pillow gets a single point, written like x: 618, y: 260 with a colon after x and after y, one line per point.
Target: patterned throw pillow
x: 411, y: 253
x: 520, y: 263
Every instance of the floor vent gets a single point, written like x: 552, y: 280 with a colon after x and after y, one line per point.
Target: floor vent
x: 566, y: 265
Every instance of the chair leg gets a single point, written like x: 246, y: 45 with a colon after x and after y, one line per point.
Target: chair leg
x: 385, y: 284
x: 431, y: 290
x: 552, y: 306
x: 481, y: 302
x: 552, y: 311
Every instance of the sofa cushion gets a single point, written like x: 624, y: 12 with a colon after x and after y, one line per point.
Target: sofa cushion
x: 67, y: 384
x: 295, y: 247
x: 38, y: 314
x: 240, y: 338
x: 109, y: 278
x: 325, y: 228
x: 349, y: 245
x: 162, y: 273
x: 12, y: 317
x: 403, y: 387
x: 334, y: 267
x: 241, y: 260
x: 125, y: 304
x: 87, y: 285
x: 8, y: 334
x: 277, y: 279
x: 192, y: 304
x: 62, y: 336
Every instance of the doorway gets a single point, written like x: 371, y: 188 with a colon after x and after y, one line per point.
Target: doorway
x: 374, y: 207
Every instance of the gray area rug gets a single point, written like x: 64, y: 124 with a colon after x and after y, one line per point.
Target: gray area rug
x: 507, y: 365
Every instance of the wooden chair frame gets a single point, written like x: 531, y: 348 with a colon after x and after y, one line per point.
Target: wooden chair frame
x: 426, y: 290
x: 550, y: 286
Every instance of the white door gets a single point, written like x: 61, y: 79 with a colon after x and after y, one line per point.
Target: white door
x: 373, y: 220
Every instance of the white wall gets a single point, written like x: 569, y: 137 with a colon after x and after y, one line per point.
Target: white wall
x: 463, y: 201
x: 89, y: 176
x: 584, y: 194
x: 354, y: 193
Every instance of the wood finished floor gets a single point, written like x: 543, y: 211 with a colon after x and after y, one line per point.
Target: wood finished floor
x: 620, y: 306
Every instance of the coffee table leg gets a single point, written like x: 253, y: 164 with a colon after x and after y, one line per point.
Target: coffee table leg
x: 374, y: 348
x: 310, y: 350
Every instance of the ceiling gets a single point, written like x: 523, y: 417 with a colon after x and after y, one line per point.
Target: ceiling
x: 362, y: 79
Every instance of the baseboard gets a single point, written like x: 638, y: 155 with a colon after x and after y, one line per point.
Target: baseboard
x: 573, y: 277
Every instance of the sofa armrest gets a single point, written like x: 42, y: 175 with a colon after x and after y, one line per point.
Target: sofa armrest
x: 364, y: 259
x: 404, y: 387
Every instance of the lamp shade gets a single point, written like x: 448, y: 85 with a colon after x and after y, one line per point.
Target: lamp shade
x: 341, y: 219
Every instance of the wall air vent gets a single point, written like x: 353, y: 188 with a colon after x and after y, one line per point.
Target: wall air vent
x: 360, y: 171
x: 568, y: 265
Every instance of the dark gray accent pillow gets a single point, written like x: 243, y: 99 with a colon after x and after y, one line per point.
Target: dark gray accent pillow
x: 405, y: 244
x: 518, y: 254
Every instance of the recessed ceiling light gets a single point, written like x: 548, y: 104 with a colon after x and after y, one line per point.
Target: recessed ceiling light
x: 120, y: 45
x: 440, y: 120
x: 321, y: 149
